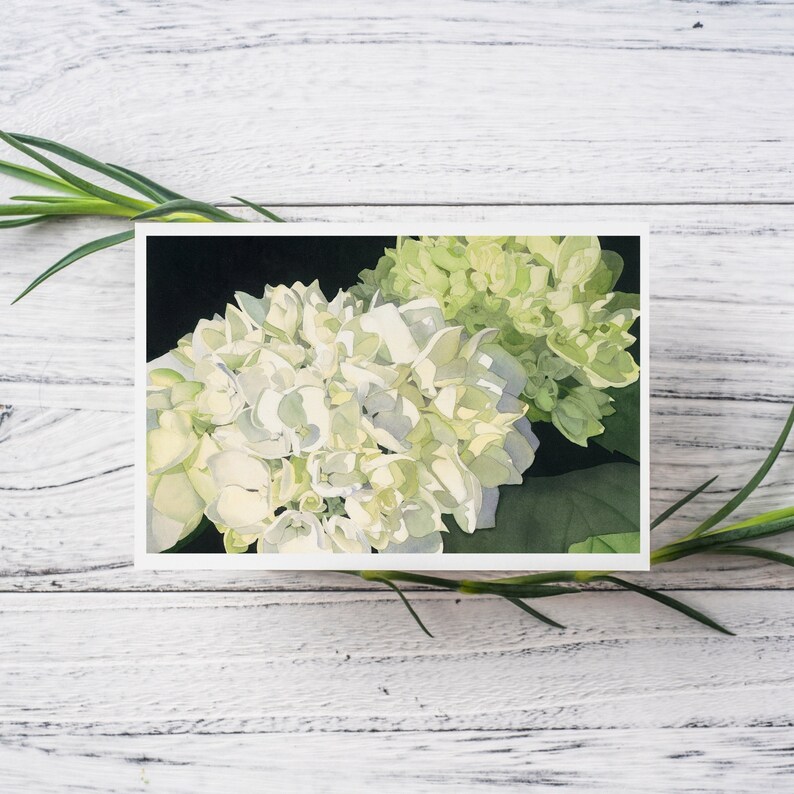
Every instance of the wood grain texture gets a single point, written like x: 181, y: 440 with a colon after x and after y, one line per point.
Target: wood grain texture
x: 171, y: 663
x: 413, y: 102
x: 676, y: 113
x: 180, y: 692
x: 656, y: 761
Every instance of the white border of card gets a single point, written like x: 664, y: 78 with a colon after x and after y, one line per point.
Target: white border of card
x: 456, y: 562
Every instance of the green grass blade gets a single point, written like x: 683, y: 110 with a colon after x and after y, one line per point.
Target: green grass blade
x: 534, y: 612
x: 120, y: 175
x: 406, y: 602
x: 77, y: 207
x: 514, y: 590
x: 53, y: 199
x: 78, y: 253
x: 15, y: 223
x: 36, y: 177
x: 668, y: 601
x: 187, y: 205
x: 260, y: 209
x: 164, y: 193
x: 752, y: 484
x: 681, y: 502
x: 73, y: 179
x: 723, y: 537
x: 755, y: 551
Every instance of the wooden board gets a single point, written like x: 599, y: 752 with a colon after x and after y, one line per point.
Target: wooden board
x: 678, y: 114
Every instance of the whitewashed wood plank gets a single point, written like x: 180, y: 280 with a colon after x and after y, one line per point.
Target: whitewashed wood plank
x: 245, y: 663
x: 722, y: 302
x: 415, y: 102
x: 657, y: 761
x: 66, y: 488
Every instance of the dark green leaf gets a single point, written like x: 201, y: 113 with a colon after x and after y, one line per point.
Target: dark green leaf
x: 668, y: 601
x: 73, y: 179
x: 755, y: 551
x: 203, y: 526
x: 548, y: 514
x: 87, y: 206
x: 78, y: 253
x: 618, y: 543
x: 534, y: 612
x: 120, y: 175
x: 681, y: 502
x: 38, y: 178
x: 713, y: 540
x: 162, y: 193
x: 622, y: 429
x: 753, y: 483
x: 261, y: 210
x: 405, y: 601
x: 17, y: 222
x: 188, y: 205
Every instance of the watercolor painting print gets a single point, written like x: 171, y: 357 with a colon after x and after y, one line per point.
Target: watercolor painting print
x: 348, y: 397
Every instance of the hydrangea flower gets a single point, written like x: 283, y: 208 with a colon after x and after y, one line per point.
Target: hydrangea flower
x: 308, y: 425
x: 552, y: 300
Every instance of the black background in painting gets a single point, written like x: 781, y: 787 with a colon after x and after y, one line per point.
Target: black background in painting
x: 189, y: 278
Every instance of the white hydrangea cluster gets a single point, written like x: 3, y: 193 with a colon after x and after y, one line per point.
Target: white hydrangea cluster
x: 308, y: 425
x: 553, y: 300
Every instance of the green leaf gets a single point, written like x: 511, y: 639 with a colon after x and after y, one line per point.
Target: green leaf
x: 623, y: 300
x: 73, y: 179
x: 188, y: 205
x: 405, y: 601
x: 681, y: 502
x: 668, y: 601
x: 78, y: 253
x: 37, y: 177
x: 752, y: 484
x: 261, y: 210
x: 17, y: 222
x: 617, y: 543
x: 87, y: 206
x: 549, y: 514
x: 203, y: 526
x: 622, y: 429
x: 120, y: 175
x: 534, y: 612
x: 755, y: 551
x: 723, y: 537
x: 162, y: 193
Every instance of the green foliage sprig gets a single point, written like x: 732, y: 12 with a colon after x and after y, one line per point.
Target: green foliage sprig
x: 704, y: 538
x: 73, y: 195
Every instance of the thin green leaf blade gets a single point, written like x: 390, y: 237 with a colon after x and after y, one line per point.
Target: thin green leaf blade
x: 80, y: 158
x: 406, y: 602
x: 15, y: 223
x: 673, y: 509
x: 36, y: 177
x: 78, y: 253
x: 723, y: 537
x: 86, y: 206
x: 260, y: 209
x: 752, y: 484
x: 73, y: 179
x: 165, y: 194
x: 187, y: 205
x: 756, y: 551
x: 668, y: 601
x: 534, y: 612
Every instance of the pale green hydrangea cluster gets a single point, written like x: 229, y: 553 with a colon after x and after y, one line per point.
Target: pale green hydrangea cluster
x: 552, y: 300
x: 308, y: 425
